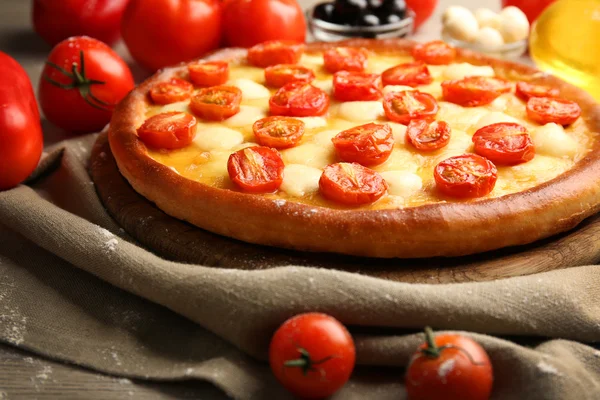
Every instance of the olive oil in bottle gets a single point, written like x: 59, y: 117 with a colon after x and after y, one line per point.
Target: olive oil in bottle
x: 565, y: 41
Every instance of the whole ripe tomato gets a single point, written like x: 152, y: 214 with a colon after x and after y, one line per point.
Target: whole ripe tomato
x: 312, y: 355
x: 81, y: 83
x: 449, y: 367
x: 57, y: 20
x: 21, y: 140
x: 531, y: 8
x: 423, y: 10
x: 159, y: 33
x: 249, y: 22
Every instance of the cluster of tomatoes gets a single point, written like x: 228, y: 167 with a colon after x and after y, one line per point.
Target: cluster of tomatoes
x: 313, y: 356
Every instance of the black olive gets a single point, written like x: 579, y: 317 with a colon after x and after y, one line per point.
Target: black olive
x: 369, y: 20
x: 375, y: 4
x: 391, y: 19
x: 393, y: 6
x: 324, y: 12
x: 348, y: 12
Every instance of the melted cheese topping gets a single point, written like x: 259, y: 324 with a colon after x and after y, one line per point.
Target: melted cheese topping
x: 408, y: 172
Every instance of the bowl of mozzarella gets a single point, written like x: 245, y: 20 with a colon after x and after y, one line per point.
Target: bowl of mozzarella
x: 502, y: 34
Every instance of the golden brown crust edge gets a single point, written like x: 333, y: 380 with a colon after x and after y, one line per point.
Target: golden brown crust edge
x: 443, y: 229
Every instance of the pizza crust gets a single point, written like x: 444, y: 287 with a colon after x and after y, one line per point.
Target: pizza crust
x: 441, y: 229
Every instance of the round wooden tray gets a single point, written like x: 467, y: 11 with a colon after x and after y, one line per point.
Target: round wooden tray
x: 177, y: 240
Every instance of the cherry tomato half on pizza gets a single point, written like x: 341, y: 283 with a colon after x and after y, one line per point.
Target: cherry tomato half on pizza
x: 428, y: 136
x: 474, y: 91
x: 544, y: 110
x: 351, y: 184
x: 216, y: 103
x: 449, y: 367
x: 465, y: 176
x: 278, y: 132
x: 504, y: 143
x: 256, y: 169
x: 436, y: 52
x: 281, y: 74
x: 345, y: 59
x: 312, y: 355
x: 171, y: 130
x: 527, y: 90
x: 209, y: 73
x: 356, y: 86
x: 410, y: 74
x: 299, y: 99
x: 369, y: 144
x: 404, y: 106
x: 171, y: 91
x: 275, y: 52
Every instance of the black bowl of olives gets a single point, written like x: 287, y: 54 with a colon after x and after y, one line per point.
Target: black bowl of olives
x: 344, y: 19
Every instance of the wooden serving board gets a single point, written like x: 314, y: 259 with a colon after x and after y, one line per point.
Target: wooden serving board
x: 177, y: 240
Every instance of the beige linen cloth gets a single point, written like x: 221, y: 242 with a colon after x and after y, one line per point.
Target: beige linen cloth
x: 74, y: 287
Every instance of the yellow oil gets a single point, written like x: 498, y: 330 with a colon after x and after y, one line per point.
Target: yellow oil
x: 565, y: 41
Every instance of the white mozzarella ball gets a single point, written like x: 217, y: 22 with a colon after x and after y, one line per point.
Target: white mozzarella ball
x: 399, y: 132
x: 455, y: 12
x: 324, y: 138
x: 402, y: 183
x: 494, y: 117
x: 250, y: 89
x: 361, y: 110
x: 310, y: 154
x: 217, y: 138
x: 299, y: 180
x: 313, y: 122
x: 463, y: 28
x: 489, y: 38
x: 514, y: 25
x: 462, y: 70
x: 397, y: 88
x: 246, y: 116
x: 181, y: 106
x: 486, y: 17
x: 551, y: 139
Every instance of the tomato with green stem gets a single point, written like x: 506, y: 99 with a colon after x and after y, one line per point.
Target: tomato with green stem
x: 82, y: 82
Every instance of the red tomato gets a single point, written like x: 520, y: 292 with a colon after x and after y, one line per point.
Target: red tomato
x: 409, y: 74
x: 216, y: 103
x: 474, y: 91
x: 560, y: 111
x: 21, y: 140
x: 427, y: 136
x: 171, y: 130
x: 55, y: 20
x: 531, y: 8
x: 280, y: 75
x: 369, y: 144
x: 436, y: 52
x: 81, y: 83
x: 465, y: 176
x: 249, y: 22
x: 504, y: 143
x: 159, y: 33
x: 345, y: 59
x: 171, y: 91
x: 527, y: 90
x: 275, y: 52
x: 351, y: 184
x: 449, y: 367
x: 312, y: 355
x: 356, y: 86
x: 256, y: 169
x: 278, y: 132
x: 298, y: 99
x: 209, y: 73
x: 423, y: 10
x: 410, y: 104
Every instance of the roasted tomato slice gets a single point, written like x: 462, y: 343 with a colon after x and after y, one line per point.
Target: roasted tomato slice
x: 409, y: 104
x: 278, y: 132
x: 280, y: 75
x: 356, y: 86
x: 210, y: 73
x: 504, y: 143
x: 275, y: 52
x: 427, y: 136
x: 409, y: 74
x: 256, y: 169
x: 527, y: 90
x: 171, y: 130
x: 345, y: 59
x: 299, y: 99
x: 545, y: 109
x: 435, y: 52
x: 369, y: 144
x: 171, y: 91
x: 465, y: 176
x: 351, y: 184
x: 474, y: 91
x: 216, y: 103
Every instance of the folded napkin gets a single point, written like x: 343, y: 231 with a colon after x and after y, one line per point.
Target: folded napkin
x: 74, y: 286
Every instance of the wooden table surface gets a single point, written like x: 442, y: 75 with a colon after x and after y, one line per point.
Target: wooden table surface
x: 26, y: 376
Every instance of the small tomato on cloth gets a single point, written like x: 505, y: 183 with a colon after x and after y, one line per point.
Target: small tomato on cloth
x: 82, y: 82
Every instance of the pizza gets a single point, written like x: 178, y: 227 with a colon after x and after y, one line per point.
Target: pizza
x: 365, y: 147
